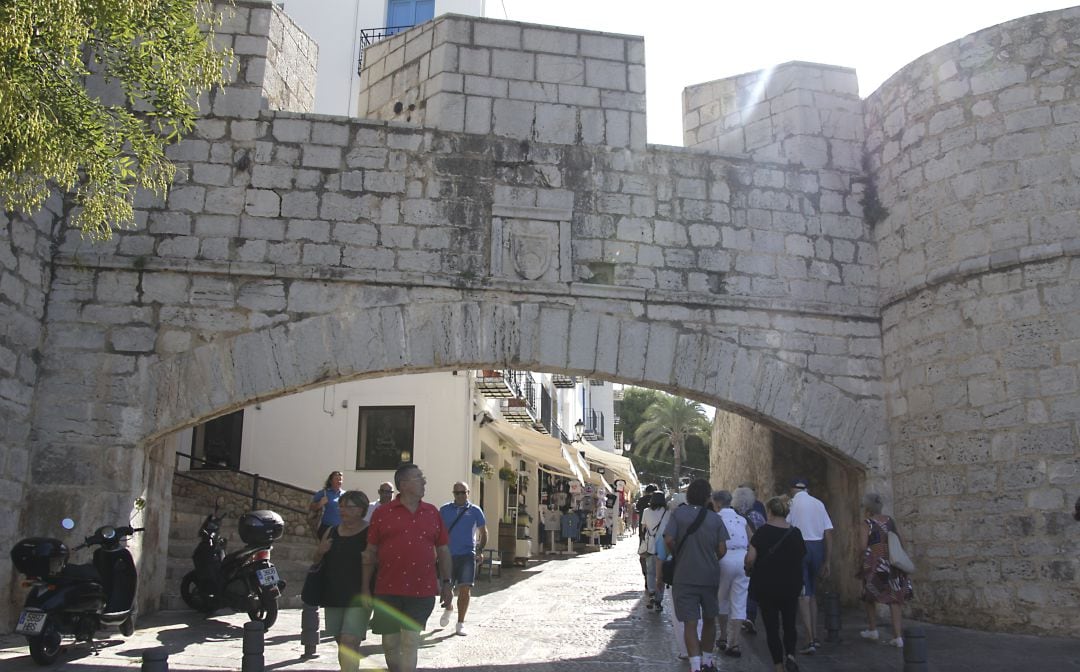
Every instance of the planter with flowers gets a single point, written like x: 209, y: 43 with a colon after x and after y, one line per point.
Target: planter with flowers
x: 483, y: 469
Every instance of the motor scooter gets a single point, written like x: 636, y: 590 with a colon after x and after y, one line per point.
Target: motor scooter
x: 244, y: 580
x: 71, y: 599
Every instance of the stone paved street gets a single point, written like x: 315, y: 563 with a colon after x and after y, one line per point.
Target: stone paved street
x: 575, y: 614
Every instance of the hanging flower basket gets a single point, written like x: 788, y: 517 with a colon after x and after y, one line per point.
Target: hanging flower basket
x: 509, y: 475
x: 483, y: 469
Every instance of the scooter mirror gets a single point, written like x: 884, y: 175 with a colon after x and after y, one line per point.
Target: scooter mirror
x: 219, y: 502
x: 67, y: 524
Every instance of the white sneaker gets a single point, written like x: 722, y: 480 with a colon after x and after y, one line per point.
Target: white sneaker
x: 869, y: 634
x: 444, y: 620
x: 459, y: 629
x: 898, y: 642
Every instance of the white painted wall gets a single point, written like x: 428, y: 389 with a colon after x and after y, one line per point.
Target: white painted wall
x: 301, y: 438
x: 335, y: 25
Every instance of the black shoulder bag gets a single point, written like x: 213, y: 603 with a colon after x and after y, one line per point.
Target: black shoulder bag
x: 668, y: 568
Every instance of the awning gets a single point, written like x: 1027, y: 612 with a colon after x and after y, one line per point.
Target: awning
x: 539, y: 447
x: 616, y: 466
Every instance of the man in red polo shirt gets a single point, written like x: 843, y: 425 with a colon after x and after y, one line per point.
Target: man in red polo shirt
x: 408, y: 542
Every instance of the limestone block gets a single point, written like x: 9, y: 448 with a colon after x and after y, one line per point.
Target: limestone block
x: 550, y: 41
x: 513, y: 64
x: 262, y: 203
x: 555, y: 124
x: 560, y: 69
x: 513, y: 118
x: 535, y: 91
x: 497, y: 35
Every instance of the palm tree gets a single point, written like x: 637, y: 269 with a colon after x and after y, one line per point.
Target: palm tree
x: 668, y: 422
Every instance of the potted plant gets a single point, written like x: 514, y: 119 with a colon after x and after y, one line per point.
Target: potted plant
x: 482, y: 469
x: 509, y: 475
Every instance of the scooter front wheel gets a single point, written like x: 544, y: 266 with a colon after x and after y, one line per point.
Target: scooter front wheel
x: 45, y: 648
x: 265, y: 611
x: 192, y: 594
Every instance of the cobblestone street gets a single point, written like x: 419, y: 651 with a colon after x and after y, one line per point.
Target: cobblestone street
x: 582, y: 612
x: 570, y: 614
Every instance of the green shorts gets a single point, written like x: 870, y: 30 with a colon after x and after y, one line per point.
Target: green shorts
x: 347, y: 621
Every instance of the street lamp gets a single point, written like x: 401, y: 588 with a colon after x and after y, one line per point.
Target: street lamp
x: 579, y: 430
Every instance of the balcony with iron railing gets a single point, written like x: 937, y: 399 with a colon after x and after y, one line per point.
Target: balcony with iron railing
x: 594, y: 425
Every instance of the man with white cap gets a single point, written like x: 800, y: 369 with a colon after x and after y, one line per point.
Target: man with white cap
x: 809, y: 515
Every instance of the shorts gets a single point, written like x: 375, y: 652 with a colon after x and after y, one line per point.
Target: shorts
x: 811, y: 565
x: 347, y: 621
x: 463, y: 571
x: 693, y: 603
x: 394, y: 613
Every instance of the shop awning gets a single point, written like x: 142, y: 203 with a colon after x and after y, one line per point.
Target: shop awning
x: 615, y: 466
x: 544, y: 449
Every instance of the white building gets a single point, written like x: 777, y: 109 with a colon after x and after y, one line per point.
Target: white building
x: 519, y: 423
x: 342, y: 27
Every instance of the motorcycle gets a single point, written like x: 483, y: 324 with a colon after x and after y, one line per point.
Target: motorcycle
x: 244, y: 580
x: 71, y: 599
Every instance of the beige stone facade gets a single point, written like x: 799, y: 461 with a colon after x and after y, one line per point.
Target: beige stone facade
x: 916, y: 322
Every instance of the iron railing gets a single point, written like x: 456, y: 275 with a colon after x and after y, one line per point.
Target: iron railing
x: 369, y: 36
x: 253, y: 493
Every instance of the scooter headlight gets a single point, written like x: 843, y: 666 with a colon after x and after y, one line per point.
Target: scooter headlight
x: 108, y: 533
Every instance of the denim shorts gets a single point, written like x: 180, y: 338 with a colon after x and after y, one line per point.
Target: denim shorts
x: 463, y: 571
x: 347, y: 621
x: 812, y: 563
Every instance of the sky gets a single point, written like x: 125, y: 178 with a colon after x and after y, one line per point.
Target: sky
x: 694, y: 41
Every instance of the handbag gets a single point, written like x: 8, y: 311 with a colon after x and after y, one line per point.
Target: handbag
x: 311, y: 593
x: 749, y: 569
x: 898, y: 557
x: 313, y: 519
x: 667, y: 569
x: 315, y: 580
x: 643, y: 545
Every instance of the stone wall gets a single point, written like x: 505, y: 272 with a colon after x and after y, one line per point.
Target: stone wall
x: 513, y: 80
x: 802, y: 113
x: 24, y: 280
x: 233, y: 505
x: 974, y: 153
x: 291, y: 62
x: 745, y: 451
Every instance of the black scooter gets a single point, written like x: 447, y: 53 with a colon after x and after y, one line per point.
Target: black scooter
x: 75, y: 600
x: 244, y: 580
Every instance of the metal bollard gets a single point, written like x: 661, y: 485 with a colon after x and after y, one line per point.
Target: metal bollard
x: 832, y: 617
x: 253, y: 647
x: 309, y: 630
x: 916, y: 657
x: 155, y: 660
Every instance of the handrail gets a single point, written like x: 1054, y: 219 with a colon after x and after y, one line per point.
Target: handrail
x: 253, y: 494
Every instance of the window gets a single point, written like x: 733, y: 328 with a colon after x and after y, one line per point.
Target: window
x: 216, y: 444
x: 406, y: 13
x: 384, y: 437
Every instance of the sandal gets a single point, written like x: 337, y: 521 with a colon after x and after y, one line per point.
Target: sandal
x: 734, y: 652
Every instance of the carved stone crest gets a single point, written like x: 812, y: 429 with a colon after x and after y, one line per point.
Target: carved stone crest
x: 531, y: 253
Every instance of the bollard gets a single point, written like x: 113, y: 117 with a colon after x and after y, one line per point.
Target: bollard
x: 253, y: 647
x: 155, y: 660
x: 915, y: 652
x: 309, y: 630
x: 832, y: 617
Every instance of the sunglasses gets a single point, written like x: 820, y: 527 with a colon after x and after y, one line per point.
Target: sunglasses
x: 460, y: 492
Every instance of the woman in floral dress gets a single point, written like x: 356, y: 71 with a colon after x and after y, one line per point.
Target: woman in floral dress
x: 882, y: 583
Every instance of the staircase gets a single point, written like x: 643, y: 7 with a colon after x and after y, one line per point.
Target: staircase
x: 192, y: 501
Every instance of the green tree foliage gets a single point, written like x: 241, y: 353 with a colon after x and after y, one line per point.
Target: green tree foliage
x: 154, y: 56
x: 669, y: 422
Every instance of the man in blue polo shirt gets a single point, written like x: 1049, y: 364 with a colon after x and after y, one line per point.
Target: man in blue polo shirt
x: 468, y: 537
